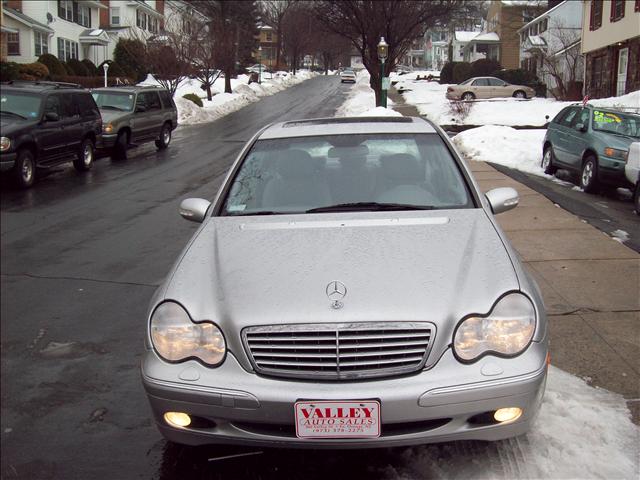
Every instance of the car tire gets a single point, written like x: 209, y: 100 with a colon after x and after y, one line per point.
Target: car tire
x: 636, y: 198
x: 86, y: 155
x: 165, y: 137
x: 519, y: 94
x: 589, y: 175
x: 119, y: 150
x: 547, y: 161
x: 468, y: 96
x: 24, y: 171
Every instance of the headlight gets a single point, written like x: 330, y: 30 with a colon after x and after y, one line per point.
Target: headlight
x: 176, y: 337
x: 506, y: 331
x: 108, y: 128
x: 616, y: 153
x: 5, y: 144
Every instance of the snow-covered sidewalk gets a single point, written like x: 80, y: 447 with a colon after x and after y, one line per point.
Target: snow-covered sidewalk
x: 361, y: 101
x: 224, y: 103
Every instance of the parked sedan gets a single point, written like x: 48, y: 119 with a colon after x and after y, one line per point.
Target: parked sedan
x: 348, y: 287
x: 347, y: 76
x: 593, y: 142
x: 487, y: 87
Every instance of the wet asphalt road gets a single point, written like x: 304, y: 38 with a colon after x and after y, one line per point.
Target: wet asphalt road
x: 81, y: 255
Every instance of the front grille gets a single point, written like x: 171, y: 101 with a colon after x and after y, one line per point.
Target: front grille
x: 339, y: 351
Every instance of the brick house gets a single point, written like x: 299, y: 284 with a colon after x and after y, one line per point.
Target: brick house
x: 611, y: 45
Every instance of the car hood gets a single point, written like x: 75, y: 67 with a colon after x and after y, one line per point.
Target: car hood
x: 435, y: 266
x: 11, y: 125
x: 112, y: 115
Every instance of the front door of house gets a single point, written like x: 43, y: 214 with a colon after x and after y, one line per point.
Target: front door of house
x: 623, y: 61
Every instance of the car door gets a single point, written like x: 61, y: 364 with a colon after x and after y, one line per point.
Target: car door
x: 561, y: 137
x: 49, y: 133
x: 577, y: 139
x: 154, y: 110
x: 140, y: 124
x: 71, y: 123
x: 498, y: 88
x: 481, y: 88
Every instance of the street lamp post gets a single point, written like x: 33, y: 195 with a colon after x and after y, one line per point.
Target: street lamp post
x: 260, y: 64
x: 383, y: 51
x: 105, y: 66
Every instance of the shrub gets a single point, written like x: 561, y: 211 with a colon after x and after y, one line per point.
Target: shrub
x: 459, y: 110
x: 131, y: 55
x: 484, y: 67
x: 461, y: 72
x: 33, y: 71
x: 446, y: 74
x: 194, y: 98
x: 54, y: 65
x: 9, y: 71
x: 91, y: 67
x: 78, y: 68
x: 516, y: 76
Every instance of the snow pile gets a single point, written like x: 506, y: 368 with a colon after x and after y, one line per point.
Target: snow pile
x: 380, y: 112
x: 224, y: 103
x: 581, y: 432
x: 361, y: 98
x: 620, y: 236
x: 430, y: 100
x: 519, y: 149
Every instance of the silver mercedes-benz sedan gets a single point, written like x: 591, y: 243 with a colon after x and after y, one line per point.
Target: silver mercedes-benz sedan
x: 348, y: 287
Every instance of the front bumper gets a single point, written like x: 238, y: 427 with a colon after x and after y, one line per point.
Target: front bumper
x: 433, y: 405
x: 7, y: 161
x: 612, y: 172
x: 108, y: 140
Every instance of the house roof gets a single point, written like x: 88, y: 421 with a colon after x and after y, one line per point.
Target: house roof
x: 486, y: 37
x: 465, y: 36
x: 537, y: 41
x: 24, y: 19
x: 541, y: 16
x: 524, y: 3
x: 94, y: 37
x: 147, y: 8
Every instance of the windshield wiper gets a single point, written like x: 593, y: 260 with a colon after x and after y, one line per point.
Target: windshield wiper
x: 259, y: 212
x: 15, y: 114
x: 368, y: 206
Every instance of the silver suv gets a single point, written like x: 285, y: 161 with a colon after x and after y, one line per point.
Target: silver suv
x: 134, y: 115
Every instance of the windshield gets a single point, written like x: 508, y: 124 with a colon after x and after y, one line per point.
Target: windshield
x: 347, y: 173
x: 616, y: 122
x: 22, y: 104
x: 114, y: 100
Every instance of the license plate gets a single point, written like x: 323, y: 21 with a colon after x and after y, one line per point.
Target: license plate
x: 329, y: 419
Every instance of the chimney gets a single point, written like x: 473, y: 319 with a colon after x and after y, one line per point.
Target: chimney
x: 105, y: 18
x: 15, y: 4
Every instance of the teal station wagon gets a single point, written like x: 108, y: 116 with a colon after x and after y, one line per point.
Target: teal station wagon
x: 593, y: 142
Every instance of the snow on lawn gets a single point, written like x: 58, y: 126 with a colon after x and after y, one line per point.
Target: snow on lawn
x: 581, y: 432
x: 429, y: 98
x: 224, y: 103
x: 519, y: 149
x: 361, y: 99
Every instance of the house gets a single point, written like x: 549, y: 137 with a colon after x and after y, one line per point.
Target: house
x: 436, y: 48
x: 501, y: 41
x: 550, y: 48
x: 65, y: 28
x: 268, y: 44
x: 458, y: 41
x: 611, y: 45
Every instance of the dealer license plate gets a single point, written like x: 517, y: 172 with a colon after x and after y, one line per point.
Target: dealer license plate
x: 328, y: 419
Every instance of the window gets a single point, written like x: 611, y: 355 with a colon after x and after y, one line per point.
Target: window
x: 543, y: 25
x: 481, y: 82
x: 86, y: 105
x: 637, y: 9
x: 496, y: 82
x: 41, y: 43
x: 65, y: 9
x: 67, y: 49
x: 167, y: 101
x: 115, y: 15
x: 617, y: 10
x: 84, y: 16
x: 52, y: 105
x: 141, y: 19
x: 13, y: 43
x: 568, y: 117
x: 269, y: 37
x: 595, y: 19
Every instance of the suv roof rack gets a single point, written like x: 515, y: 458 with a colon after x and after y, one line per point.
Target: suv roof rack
x: 328, y: 121
x: 44, y: 83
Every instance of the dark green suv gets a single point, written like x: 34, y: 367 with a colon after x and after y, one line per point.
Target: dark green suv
x: 134, y: 115
x: 45, y: 124
x: 592, y: 141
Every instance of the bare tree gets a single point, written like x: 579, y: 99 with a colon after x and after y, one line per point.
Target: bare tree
x: 330, y: 47
x: 363, y: 22
x: 274, y: 12
x: 562, y: 61
x: 205, y: 60
x: 297, y: 32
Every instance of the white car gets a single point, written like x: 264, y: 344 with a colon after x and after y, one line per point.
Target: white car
x: 632, y: 172
x: 347, y: 76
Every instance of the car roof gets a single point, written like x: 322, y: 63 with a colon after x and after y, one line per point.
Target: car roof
x: 40, y: 86
x: 128, y: 88
x: 346, y: 126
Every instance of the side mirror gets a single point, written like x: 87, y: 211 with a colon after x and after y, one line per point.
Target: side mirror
x: 502, y: 199
x: 580, y: 127
x: 141, y: 108
x: 51, y: 117
x: 194, y: 209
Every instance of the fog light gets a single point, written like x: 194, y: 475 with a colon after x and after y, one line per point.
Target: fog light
x: 177, y: 419
x: 507, y: 414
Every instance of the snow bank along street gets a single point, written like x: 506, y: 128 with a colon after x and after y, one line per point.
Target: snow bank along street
x: 224, y: 103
